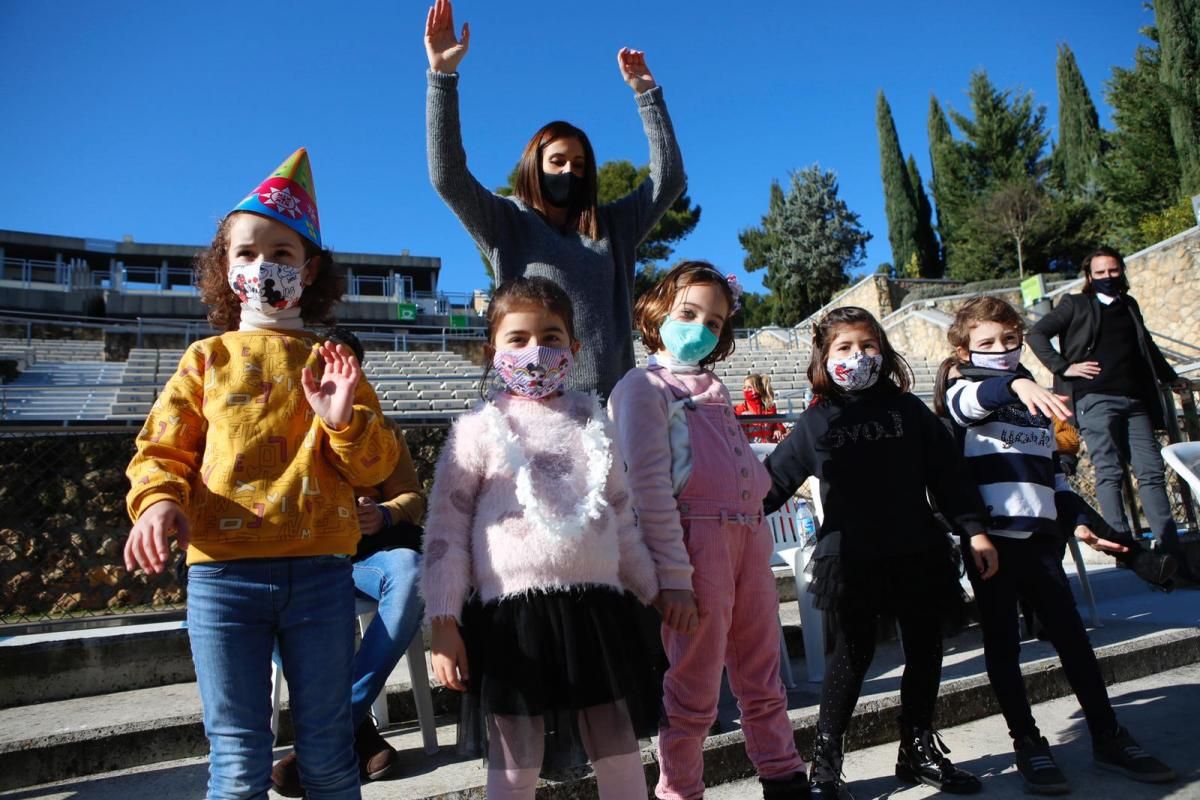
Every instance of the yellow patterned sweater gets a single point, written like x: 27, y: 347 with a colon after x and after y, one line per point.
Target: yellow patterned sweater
x: 233, y: 440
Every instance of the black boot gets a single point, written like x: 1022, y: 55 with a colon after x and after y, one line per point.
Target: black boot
x: 825, y: 776
x: 793, y: 787
x: 1154, y: 567
x: 922, y: 759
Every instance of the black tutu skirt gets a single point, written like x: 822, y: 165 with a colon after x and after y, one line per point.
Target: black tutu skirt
x: 582, y: 665
x: 925, y: 580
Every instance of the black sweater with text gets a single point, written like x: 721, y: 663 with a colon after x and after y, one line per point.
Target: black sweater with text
x: 876, y: 453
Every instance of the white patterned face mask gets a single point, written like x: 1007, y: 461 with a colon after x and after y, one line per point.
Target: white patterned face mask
x: 855, y: 372
x: 533, y: 372
x: 1006, y: 360
x: 265, y: 286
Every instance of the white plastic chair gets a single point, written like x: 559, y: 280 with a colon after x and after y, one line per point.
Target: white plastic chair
x: 1184, y: 458
x: 418, y: 675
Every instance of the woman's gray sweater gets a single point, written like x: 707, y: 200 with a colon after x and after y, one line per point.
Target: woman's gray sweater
x: 597, y: 274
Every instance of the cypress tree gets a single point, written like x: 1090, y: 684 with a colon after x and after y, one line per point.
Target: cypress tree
x: 898, y: 198
x: 1179, y: 41
x: 930, y: 257
x: 1077, y: 155
x: 951, y: 197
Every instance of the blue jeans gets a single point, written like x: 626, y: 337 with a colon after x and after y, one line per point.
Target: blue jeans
x: 1118, y: 432
x: 389, y: 577
x: 237, y: 612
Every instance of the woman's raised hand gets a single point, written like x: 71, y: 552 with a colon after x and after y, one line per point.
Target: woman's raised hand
x: 442, y: 48
x: 634, y: 71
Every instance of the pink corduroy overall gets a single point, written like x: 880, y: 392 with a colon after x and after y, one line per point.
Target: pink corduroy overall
x: 730, y: 548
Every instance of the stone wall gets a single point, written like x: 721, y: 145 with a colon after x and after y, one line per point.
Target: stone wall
x: 63, y: 525
x: 1165, y: 279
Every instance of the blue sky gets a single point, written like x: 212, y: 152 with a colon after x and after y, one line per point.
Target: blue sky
x: 153, y: 118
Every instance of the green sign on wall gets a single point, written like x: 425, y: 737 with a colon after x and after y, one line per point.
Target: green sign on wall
x: 1033, y: 289
x: 458, y: 322
x: 406, y: 312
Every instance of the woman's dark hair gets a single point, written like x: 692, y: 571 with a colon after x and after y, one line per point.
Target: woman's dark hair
x: 583, y: 218
x: 210, y: 273
x: 894, y: 367
x: 973, y: 312
x: 653, y: 307
x: 339, y: 335
x: 1103, y: 252
x: 517, y: 294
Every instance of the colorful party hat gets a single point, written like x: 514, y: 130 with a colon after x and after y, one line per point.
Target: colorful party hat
x: 289, y: 196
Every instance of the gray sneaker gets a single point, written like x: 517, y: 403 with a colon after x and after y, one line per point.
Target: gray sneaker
x: 1120, y: 753
x: 1037, y: 767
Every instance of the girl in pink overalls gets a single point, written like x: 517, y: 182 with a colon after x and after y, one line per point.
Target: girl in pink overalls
x: 698, y: 490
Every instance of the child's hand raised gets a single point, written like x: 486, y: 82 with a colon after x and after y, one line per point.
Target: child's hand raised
x: 449, y: 655
x: 147, y: 545
x: 333, y: 398
x: 1039, y: 400
x: 678, y: 609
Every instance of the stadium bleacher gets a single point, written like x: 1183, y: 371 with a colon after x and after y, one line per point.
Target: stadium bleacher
x: 67, y: 380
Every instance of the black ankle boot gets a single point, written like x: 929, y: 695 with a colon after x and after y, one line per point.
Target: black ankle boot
x: 922, y: 759
x: 793, y: 787
x: 825, y: 777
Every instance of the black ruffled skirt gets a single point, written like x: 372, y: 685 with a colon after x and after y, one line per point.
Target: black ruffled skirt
x: 925, y: 580
x: 577, y: 668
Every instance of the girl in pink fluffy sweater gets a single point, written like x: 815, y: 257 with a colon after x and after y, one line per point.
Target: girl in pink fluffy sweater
x: 698, y: 491
x: 531, y: 550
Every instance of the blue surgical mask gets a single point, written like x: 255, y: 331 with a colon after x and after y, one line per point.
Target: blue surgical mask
x: 688, y: 342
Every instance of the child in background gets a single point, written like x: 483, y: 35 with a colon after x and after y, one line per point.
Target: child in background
x: 878, y: 452
x: 387, y: 564
x: 248, y: 458
x: 759, y: 401
x: 530, y: 510
x: 1004, y: 427
x: 698, y: 489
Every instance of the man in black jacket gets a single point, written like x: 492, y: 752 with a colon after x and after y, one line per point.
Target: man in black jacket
x: 1113, y: 370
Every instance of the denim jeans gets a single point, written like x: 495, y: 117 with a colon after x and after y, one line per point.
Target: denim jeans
x: 1118, y: 431
x: 237, y: 612
x: 390, y: 577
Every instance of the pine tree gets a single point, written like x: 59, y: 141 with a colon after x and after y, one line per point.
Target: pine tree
x: 1077, y: 155
x: 1140, y: 175
x: 899, y: 200
x: 948, y: 182
x: 1178, y: 24
x: 808, y: 242
x: 930, y: 257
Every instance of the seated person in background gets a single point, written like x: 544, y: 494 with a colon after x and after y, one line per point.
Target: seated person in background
x: 760, y: 400
x: 1077, y: 518
x: 386, y: 566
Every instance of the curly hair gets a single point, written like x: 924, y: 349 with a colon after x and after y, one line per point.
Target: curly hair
x: 654, y: 305
x: 210, y: 274
x: 894, y: 367
x: 973, y: 312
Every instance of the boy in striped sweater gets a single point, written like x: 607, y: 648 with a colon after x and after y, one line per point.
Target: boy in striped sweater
x: 1003, y: 421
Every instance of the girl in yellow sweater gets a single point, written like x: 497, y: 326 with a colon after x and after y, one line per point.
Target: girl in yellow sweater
x: 248, y: 458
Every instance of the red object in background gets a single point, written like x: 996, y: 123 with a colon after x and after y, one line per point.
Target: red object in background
x: 760, y: 432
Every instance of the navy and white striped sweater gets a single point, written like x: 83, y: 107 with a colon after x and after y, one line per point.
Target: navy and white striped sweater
x: 1009, y: 452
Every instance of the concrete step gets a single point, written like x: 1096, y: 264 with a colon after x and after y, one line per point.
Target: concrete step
x: 105, y: 746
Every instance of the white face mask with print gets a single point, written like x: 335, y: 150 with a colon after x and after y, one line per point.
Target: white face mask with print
x: 266, y: 287
x: 1006, y: 360
x: 855, y: 372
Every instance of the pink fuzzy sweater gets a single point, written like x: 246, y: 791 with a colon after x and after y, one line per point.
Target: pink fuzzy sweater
x: 547, y: 507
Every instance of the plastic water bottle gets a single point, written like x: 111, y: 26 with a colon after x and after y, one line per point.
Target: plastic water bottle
x: 808, y: 396
x: 806, y: 523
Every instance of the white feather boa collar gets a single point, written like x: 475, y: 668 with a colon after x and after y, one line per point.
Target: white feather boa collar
x: 597, y: 451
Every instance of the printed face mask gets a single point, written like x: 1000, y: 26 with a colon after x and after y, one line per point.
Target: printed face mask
x: 561, y: 189
x: 533, y: 372
x: 1007, y: 360
x: 689, y: 342
x: 855, y: 372
x: 266, y: 287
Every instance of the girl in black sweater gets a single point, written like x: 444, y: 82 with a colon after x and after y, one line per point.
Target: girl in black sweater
x: 877, y: 450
